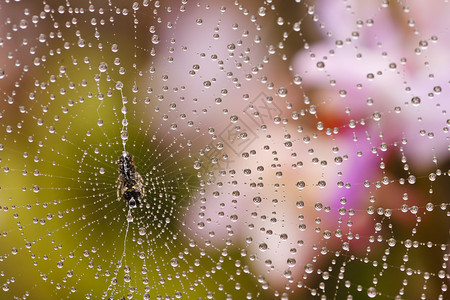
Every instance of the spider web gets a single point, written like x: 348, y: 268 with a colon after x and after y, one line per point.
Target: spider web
x: 288, y: 149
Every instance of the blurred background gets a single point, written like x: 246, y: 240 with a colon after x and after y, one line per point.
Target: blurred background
x: 288, y: 149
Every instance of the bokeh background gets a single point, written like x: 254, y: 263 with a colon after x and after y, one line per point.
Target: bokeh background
x: 289, y: 149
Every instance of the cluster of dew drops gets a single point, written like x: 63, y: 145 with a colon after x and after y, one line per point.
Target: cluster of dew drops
x: 126, y: 111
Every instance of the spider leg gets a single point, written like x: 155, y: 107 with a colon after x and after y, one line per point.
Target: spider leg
x: 119, y: 188
x: 140, y: 183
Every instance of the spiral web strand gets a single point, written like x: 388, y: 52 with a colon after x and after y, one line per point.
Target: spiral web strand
x: 287, y: 149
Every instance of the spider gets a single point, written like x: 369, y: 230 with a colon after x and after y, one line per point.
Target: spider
x: 130, y: 184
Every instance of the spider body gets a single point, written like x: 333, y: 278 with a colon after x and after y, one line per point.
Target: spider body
x: 130, y: 185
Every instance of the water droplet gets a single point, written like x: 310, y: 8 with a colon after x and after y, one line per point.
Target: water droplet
x: 309, y: 268
x: 174, y: 262
x: 280, y: 21
x: 124, y: 135
x: 234, y: 118
x: 197, y: 165
x: 142, y: 231
x: 119, y: 85
x: 376, y: 116
x: 262, y: 11
x: 371, y: 292
x: 300, y: 184
x: 114, y: 48
x: 282, y: 92
x: 155, y: 39
x: 291, y: 262
x: 320, y: 65
x: 263, y: 247
x: 130, y: 218
x: 415, y: 101
x: 412, y: 179
x: 298, y: 79
x: 321, y: 184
